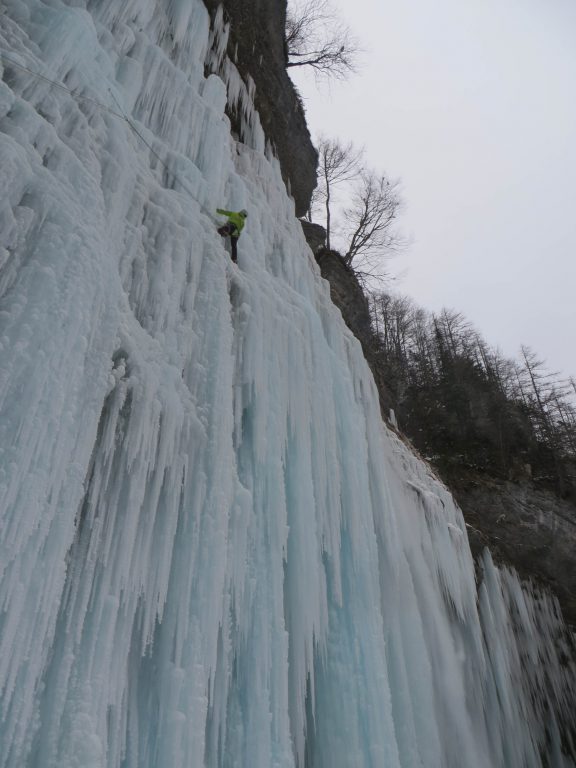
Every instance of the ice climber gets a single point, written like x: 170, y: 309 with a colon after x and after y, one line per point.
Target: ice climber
x: 232, y: 228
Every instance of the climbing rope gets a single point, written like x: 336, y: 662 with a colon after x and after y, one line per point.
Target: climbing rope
x: 56, y: 84
x: 120, y: 115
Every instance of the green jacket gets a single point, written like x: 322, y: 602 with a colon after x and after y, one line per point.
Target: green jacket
x: 234, y: 218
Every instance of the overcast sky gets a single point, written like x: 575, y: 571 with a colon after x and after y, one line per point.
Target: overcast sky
x: 472, y: 103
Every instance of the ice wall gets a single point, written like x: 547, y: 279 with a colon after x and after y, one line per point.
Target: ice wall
x: 212, y: 553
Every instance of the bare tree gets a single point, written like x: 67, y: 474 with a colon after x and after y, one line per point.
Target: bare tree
x: 502, y: 371
x: 456, y: 332
x: 337, y: 163
x: 460, y: 400
x: 393, y: 318
x: 370, y: 218
x: 316, y: 38
x: 564, y: 417
x: 541, y: 392
x: 424, y: 364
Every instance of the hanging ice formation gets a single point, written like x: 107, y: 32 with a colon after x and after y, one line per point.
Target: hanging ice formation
x: 212, y: 551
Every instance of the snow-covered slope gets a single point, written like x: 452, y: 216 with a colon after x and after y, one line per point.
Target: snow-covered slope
x: 212, y: 552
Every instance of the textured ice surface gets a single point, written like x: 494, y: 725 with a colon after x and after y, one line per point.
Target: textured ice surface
x: 212, y: 553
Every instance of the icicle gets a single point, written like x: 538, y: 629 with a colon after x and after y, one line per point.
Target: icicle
x: 212, y: 551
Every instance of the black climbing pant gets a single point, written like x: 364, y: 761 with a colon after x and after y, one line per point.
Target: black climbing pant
x: 229, y: 230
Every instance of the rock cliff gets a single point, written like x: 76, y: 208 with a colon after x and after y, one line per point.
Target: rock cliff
x: 347, y: 295
x: 257, y: 47
x: 527, y: 527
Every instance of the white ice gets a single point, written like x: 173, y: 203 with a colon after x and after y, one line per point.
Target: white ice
x: 212, y: 551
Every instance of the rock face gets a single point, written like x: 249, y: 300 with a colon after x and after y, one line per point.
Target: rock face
x: 257, y: 48
x: 346, y: 293
x: 524, y: 526
x: 315, y: 235
x: 529, y: 528
x: 348, y: 296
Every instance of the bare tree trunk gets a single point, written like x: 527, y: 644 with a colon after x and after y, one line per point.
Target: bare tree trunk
x: 337, y: 164
x: 327, y: 210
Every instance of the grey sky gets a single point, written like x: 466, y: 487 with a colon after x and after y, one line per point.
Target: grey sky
x: 473, y: 104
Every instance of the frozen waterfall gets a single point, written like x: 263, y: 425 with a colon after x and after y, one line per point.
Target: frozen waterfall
x: 212, y: 552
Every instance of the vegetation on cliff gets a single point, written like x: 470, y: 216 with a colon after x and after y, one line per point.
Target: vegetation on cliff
x: 464, y: 403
